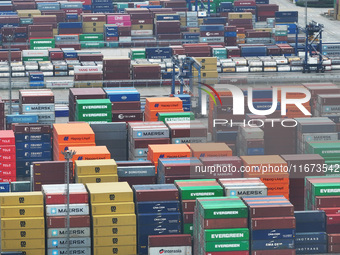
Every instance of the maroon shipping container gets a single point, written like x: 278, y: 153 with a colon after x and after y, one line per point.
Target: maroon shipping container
x: 93, y: 17
x: 127, y: 115
x: 334, y: 248
x: 15, y: 55
x: 134, y: 163
x: 141, y: 180
x: 172, y: 179
x: 272, y: 223
x: 90, y: 57
x: 51, y: 172
x: 141, y: 21
x: 327, y: 201
x: 224, y: 223
x: 40, y: 34
x: 75, y: 222
x: 169, y: 36
x: 24, y: 5
x: 75, y: 198
x: 156, y: 195
x: 188, y: 217
x: 32, y: 128
x: 117, y: 76
x: 88, y: 77
x: 169, y: 240
x: 188, y: 205
x: 126, y: 106
x: 141, y: 16
x: 143, y: 143
x: 76, y: 46
x: 61, y: 15
x: 63, y: 31
x: 333, y: 238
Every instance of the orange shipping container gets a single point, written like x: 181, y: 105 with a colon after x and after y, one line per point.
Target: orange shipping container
x: 210, y: 150
x: 90, y: 153
x: 157, y: 103
x: 263, y: 165
x: 58, y: 148
x: 156, y: 151
x: 73, y: 133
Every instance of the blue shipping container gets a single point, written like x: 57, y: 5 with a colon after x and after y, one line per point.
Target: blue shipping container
x: 158, y: 207
x: 122, y: 95
x: 311, y: 249
x: 32, y: 137
x: 22, y: 118
x: 273, y: 234
x: 158, y: 219
x: 311, y: 238
x: 24, y: 154
x: 277, y: 244
x: 158, y: 52
x: 209, y: 28
x: 167, y: 17
x: 70, y: 24
x: 4, y: 187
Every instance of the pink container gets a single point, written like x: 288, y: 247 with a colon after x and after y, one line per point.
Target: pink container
x: 121, y: 23
x: 118, y: 18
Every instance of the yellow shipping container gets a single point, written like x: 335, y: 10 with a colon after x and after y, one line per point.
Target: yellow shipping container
x: 55, y: 31
x: 28, y: 13
x: 112, y: 221
x: 22, y: 211
x: 93, y: 30
x: 114, y: 231
x: 240, y: 15
x: 96, y: 178
x: 23, y: 244
x: 110, y: 192
x: 93, y: 24
x: 90, y: 84
x: 142, y: 27
x: 23, y: 223
x: 229, y: 70
x: 118, y: 240
x: 241, y: 36
x: 94, y: 167
x: 208, y: 74
x: 207, y: 60
x: 27, y: 252
x: 113, y: 208
x: 116, y: 250
x: 21, y: 198
x: 193, y: 30
x: 23, y: 234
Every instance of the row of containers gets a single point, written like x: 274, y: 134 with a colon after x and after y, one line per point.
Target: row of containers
x: 99, y: 30
x: 201, y: 217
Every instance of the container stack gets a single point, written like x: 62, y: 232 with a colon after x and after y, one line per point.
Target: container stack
x: 93, y: 110
x: 221, y: 226
x: 319, y: 129
x: 272, y: 170
x: 141, y: 134
x: 22, y: 223
x: 170, y: 170
x: 161, y: 104
x: 171, y: 243
x: 33, y: 143
x: 243, y: 187
x: 2, y: 114
x: 93, y: 24
x: 272, y: 225
x: 241, y: 20
x: 49, y: 172
x: 265, y: 11
x: 150, y: 219
x: 146, y: 72
x: 157, y: 151
x: 126, y: 104
x: 111, y: 33
x: 334, y: 243
x: 116, y: 68
x: 281, y: 34
x: 311, y: 236
x: 136, y: 172
x: 95, y: 171
x: 82, y: 93
x: 56, y: 211
x: 300, y: 168
x: 113, y: 218
x: 176, y: 117
x: 86, y: 76
x: 71, y: 134
x: 137, y: 53
x: 250, y: 141
x: 187, y: 132
x: 209, y: 72
x: 328, y: 105
x: 39, y: 102
x: 212, y: 33
x: 7, y: 156
x: 230, y: 36
x: 189, y: 190
x: 114, y: 137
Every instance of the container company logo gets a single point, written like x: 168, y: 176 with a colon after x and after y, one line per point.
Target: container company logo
x: 178, y: 251
x: 66, y: 138
x: 238, y: 105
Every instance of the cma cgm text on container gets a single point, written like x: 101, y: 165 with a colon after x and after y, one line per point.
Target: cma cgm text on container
x: 238, y: 106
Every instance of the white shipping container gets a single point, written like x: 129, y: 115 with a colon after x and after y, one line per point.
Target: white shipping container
x: 255, y: 69
x: 4, y: 75
x: 240, y: 61
x: 269, y: 63
x: 255, y: 63
x: 60, y: 210
x: 35, y: 53
x: 269, y: 69
x: 141, y: 32
x: 125, y: 39
x: 242, y: 69
x: 48, y: 74
x: 283, y: 68
x: 83, y: 251
x: 296, y: 68
x: 282, y: 61
x: 335, y: 67
x: 74, y: 242
x: 173, y: 250
x: 62, y: 232
x: 19, y: 74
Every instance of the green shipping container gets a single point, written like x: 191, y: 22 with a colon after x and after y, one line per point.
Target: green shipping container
x: 93, y: 105
x: 112, y: 44
x: 35, y: 58
x: 137, y: 54
x: 36, y: 44
x: 223, y: 209
x: 194, y: 180
x: 26, y: 21
x: 191, y: 193
x: 104, y: 116
x: 234, y: 234
x: 176, y: 116
x: 188, y: 229
x: 325, y: 150
x: 281, y: 33
x: 326, y: 189
x: 92, y: 44
x: 226, y: 246
x: 91, y: 37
